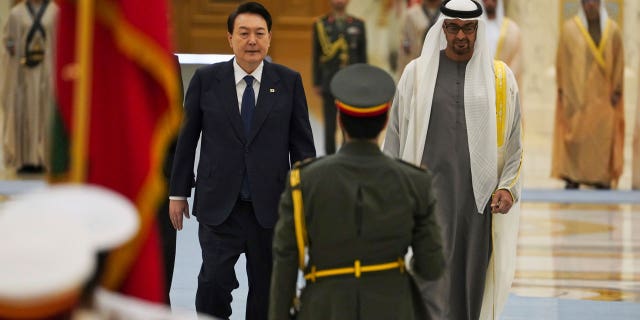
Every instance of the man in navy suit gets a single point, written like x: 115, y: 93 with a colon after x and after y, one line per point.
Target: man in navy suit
x: 254, y: 122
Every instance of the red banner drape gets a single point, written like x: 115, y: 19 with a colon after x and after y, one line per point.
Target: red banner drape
x: 118, y: 109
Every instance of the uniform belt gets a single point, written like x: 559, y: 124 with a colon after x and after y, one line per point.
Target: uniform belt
x: 356, y: 270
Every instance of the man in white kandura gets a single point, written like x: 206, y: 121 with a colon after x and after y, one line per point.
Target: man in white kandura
x: 458, y: 114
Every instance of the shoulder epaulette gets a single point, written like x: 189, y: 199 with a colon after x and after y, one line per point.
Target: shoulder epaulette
x: 421, y: 168
x: 354, y: 18
x: 305, y: 162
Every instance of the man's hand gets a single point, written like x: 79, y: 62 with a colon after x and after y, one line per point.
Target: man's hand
x: 559, y: 95
x: 177, y: 208
x: 501, y: 201
x: 318, y: 90
x: 10, y: 48
x: 615, y: 98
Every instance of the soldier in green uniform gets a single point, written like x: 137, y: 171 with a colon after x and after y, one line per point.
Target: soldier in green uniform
x: 339, y: 40
x: 347, y: 220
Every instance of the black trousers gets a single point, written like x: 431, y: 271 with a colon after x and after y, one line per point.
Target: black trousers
x: 168, y: 242
x: 329, y: 111
x: 221, y: 247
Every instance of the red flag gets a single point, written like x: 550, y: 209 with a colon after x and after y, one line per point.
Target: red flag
x: 117, y: 89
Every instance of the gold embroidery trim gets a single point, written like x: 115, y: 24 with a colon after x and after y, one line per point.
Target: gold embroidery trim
x: 356, y: 270
x: 501, y: 99
x: 597, y: 51
x: 298, y: 215
x: 330, y: 49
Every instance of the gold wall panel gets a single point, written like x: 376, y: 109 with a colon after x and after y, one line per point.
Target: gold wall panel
x: 200, y: 26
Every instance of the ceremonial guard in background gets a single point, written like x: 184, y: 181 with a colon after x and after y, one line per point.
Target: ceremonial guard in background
x: 338, y: 40
x: 26, y: 96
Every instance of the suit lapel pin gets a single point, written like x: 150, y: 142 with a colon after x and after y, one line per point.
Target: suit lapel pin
x: 272, y: 90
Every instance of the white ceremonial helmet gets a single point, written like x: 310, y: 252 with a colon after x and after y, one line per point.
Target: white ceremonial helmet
x: 44, y: 264
x: 49, y: 243
x: 110, y: 218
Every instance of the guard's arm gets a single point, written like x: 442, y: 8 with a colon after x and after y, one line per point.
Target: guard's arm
x: 285, y: 260
x: 428, y: 260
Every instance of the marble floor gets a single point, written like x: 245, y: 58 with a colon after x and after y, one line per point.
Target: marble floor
x: 578, y: 255
x: 574, y: 261
x: 579, y: 251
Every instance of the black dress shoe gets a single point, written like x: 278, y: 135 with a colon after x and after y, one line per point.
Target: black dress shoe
x: 24, y: 169
x: 30, y: 169
x: 38, y: 169
x: 571, y: 185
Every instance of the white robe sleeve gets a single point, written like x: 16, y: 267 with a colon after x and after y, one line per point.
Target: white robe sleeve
x: 504, y: 227
x: 510, y: 176
x: 396, y: 136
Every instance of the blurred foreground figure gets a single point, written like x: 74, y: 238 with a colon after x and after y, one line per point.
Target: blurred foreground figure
x: 113, y: 125
x: 45, y: 264
x: 361, y: 212
x: 92, y: 222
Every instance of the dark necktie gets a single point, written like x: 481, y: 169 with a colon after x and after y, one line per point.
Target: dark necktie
x: 246, y: 111
x: 248, y: 105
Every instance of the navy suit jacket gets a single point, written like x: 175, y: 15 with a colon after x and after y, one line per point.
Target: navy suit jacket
x: 280, y: 135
